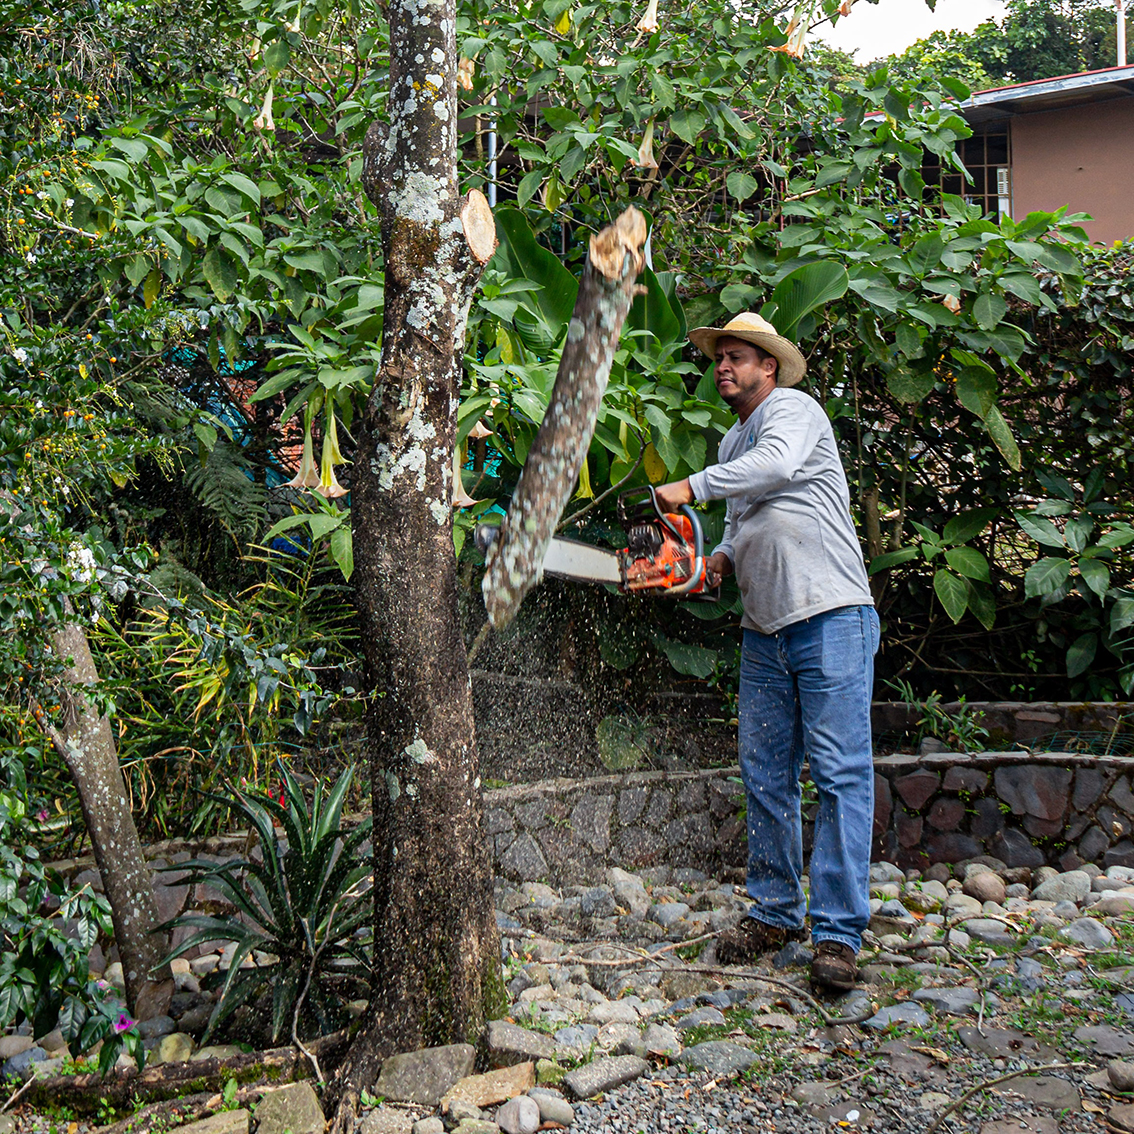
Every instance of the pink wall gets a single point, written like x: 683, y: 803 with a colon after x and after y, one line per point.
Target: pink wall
x: 1078, y: 156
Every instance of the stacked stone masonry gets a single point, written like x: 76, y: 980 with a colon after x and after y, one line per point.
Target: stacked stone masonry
x: 1027, y: 809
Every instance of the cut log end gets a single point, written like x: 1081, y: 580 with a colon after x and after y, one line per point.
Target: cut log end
x: 609, y: 248
x: 479, y: 226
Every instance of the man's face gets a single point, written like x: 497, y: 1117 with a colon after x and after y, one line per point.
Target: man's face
x: 743, y: 378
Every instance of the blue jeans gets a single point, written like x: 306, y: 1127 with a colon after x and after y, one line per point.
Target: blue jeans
x: 807, y: 690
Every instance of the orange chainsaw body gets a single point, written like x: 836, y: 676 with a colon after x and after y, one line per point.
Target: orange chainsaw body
x: 664, y: 550
x: 657, y: 560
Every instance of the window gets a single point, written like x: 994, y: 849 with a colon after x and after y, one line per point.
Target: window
x: 986, y: 156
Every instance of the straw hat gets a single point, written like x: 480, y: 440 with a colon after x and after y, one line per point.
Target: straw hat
x: 752, y: 329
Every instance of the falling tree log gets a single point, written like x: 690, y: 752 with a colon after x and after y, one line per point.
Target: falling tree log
x: 556, y: 456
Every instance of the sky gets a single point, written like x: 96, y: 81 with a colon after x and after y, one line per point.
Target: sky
x: 892, y: 25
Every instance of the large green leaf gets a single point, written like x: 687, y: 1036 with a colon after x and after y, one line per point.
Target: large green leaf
x: 521, y: 256
x: 1081, y: 653
x: 953, y: 592
x: 220, y: 272
x: 988, y: 310
x: 1122, y: 614
x: 910, y: 386
x: 1001, y: 434
x: 1046, y: 576
x: 805, y: 290
x: 892, y: 559
x: 968, y: 562
x: 693, y: 661
x: 653, y: 312
x: 621, y: 743
x: 962, y: 528
x: 1041, y: 530
x: 982, y: 603
x: 976, y: 389
x: 1096, y: 575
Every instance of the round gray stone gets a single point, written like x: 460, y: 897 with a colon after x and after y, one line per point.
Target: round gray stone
x: 1088, y: 932
x: 553, y: 1107
x: 1073, y: 886
x: 906, y: 1014
x: 519, y: 1115
x: 719, y: 1057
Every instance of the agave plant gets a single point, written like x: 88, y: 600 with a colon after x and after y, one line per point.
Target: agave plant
x: 298, y: 911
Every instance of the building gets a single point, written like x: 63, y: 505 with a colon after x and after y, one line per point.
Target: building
x: 1053, y: 142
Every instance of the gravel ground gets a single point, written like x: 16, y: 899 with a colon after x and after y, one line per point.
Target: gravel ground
x: 966, y: 976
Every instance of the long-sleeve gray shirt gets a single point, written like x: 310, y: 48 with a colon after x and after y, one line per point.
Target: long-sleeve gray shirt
x: 788, y: 529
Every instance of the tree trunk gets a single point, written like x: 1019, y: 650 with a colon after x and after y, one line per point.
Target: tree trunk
x: 556, y: 457
x: 86, y: 744
x: 436, y: 948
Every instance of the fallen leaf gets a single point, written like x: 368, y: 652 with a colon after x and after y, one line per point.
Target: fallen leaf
x: 936, y: 1052
x: 1094, y: 1108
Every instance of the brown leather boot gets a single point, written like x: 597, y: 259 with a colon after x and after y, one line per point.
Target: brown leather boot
x: 834, y: 966
x: 746, y: 940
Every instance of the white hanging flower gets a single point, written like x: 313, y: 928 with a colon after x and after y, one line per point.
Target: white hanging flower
x: 41, y: 196
x: 32, y: 257
x: 19, y: 354
x: 649, y: 21
x: 69, y: 202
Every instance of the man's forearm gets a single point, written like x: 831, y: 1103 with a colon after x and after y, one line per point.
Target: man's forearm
x: 672, y: 496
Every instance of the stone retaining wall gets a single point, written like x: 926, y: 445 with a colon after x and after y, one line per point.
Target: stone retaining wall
x: 1059, y: 809
x: 1020, y: 723
x: 1027, y: 809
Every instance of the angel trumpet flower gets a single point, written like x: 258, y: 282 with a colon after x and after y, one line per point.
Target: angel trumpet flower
x: 645, y: 158
x: 308, y: 475
x: 461, y: 499
x: 328, y: 486
x: 264, y: 120
x: 649, y: 21
x: 796, y: 32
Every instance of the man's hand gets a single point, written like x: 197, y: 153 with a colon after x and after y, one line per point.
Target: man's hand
x: 716, y: 568
x: 672, y: 496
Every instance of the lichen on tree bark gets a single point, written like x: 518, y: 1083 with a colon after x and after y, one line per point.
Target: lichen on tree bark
x: 436, y: 947
x: 86, y: 743
x: 560, y: 446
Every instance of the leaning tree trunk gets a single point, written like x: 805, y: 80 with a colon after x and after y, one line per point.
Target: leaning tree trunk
x: 436, y: 946
x: 556, y: 456
x: 86, y: 744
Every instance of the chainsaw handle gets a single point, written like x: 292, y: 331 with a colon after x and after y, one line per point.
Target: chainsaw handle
x: 698, y: 552
x: 626, y: 518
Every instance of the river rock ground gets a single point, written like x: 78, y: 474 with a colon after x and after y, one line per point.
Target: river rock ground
x: 620, y: 1020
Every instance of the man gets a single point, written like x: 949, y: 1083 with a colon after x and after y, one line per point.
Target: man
x: 807, y: 662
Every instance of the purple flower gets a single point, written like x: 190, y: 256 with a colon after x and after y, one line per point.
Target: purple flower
x: 123, y: 1023
x: 42, y: 815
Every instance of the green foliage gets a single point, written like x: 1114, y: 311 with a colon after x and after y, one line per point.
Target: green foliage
x: 299, y: 911
x: 1035, y: 39
x: 232, y: 249
x: 1083, y: 541
x: 47, y: 930
x: 951, y: 55
x: 959, y: 730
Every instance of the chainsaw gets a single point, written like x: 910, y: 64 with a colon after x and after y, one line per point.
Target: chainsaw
x: 664, y: 552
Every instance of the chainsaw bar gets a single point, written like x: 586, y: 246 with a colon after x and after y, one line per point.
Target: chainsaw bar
x: 573, y: 559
